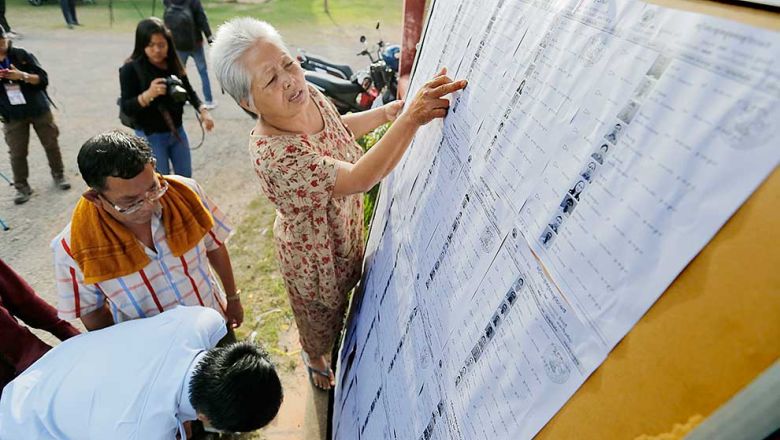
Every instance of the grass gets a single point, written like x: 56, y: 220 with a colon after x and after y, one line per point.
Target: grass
x: 267, y: 312
x: 284, y: 14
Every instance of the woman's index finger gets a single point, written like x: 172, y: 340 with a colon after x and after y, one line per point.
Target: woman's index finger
x: 450, y: 87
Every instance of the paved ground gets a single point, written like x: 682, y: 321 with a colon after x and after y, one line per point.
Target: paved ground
x: 82, y: 67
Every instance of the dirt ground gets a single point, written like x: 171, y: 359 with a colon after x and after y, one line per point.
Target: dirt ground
x: 82, y: 67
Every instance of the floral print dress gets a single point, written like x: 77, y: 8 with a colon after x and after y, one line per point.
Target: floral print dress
x: 319, y: 238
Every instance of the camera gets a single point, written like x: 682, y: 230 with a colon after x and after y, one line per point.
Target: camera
x: 175, y: 89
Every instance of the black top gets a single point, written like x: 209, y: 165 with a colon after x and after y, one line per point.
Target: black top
x: 35, y: 95
x: 201, y: 21
x: 150, y: 119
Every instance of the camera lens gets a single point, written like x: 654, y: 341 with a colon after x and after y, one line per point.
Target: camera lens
x: 175, y: 89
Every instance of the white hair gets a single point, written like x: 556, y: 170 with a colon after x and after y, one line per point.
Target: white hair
x: 234, y: 38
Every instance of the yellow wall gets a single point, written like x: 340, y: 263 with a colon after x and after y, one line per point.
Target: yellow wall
x: 711, y: 333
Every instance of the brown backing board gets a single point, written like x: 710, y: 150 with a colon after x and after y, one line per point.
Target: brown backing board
x: 711, y: 333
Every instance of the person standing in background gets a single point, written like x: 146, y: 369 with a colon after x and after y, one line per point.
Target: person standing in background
x: 69, y: 12
x: 4, y: 22
x: 188, y: 23
x: 146, y: 82
x: 24, y: 102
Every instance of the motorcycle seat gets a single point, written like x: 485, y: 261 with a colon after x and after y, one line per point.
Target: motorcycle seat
x: 333, y: 84
x: 347, y: 70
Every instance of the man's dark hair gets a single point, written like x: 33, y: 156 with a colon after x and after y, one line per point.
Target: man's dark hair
x: 112, y: 154
x: 236, y: 387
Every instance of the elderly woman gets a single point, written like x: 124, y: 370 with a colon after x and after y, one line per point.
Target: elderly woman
x: 314, y: 172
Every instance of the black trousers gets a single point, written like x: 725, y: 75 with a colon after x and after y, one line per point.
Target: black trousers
x: 3, y: 21
x: 69, y: 11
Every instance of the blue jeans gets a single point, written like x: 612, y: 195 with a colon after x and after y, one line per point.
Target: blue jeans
x: 199, y: 56
x: 169, y: 150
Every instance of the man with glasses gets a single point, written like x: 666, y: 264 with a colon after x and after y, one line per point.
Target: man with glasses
x: 140, y: 243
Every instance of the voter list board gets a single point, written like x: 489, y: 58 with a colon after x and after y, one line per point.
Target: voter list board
x: 598, y: 147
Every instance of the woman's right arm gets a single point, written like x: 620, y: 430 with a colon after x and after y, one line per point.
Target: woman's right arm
x: 377, y: 163
x: 130, y: 86
x: 134, y: 96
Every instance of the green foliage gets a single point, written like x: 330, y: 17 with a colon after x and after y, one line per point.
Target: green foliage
x: 292, y: 15
x: 369, y: 199
x: 370, y: 139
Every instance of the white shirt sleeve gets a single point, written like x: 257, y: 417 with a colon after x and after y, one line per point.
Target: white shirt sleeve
x: 208, y: 324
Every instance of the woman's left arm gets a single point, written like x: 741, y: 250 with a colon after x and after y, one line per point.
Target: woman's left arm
x: 192, y: 96
x: 363, y: 122
x: 32, y: 74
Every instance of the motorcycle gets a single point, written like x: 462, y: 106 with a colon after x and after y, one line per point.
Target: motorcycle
x: 355, y: 92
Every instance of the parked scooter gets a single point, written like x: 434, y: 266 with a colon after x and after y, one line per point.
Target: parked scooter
x: 347, y: 96
x: 354, y: 92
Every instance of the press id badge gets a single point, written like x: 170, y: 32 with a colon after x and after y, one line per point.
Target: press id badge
x: 14, y: 92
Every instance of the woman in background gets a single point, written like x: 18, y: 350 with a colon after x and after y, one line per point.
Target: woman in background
x: 155, y: 100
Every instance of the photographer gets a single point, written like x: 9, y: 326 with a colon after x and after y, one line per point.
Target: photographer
x: 24, y: 103
x: 154, y: 88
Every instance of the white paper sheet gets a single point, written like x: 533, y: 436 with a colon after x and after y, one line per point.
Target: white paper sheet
x: 597, y: 149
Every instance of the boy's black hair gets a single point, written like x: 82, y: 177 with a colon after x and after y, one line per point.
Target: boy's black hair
x: 236, y: 387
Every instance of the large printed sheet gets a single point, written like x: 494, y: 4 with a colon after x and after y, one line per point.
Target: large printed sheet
x: 598, y: 147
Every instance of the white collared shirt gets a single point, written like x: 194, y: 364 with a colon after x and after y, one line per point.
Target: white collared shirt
x: 185, y: 411
x: 122, y: 382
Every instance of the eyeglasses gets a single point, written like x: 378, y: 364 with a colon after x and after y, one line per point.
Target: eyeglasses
x: 150, y: 197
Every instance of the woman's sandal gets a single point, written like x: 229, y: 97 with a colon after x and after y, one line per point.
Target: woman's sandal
x: 312, y: 371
